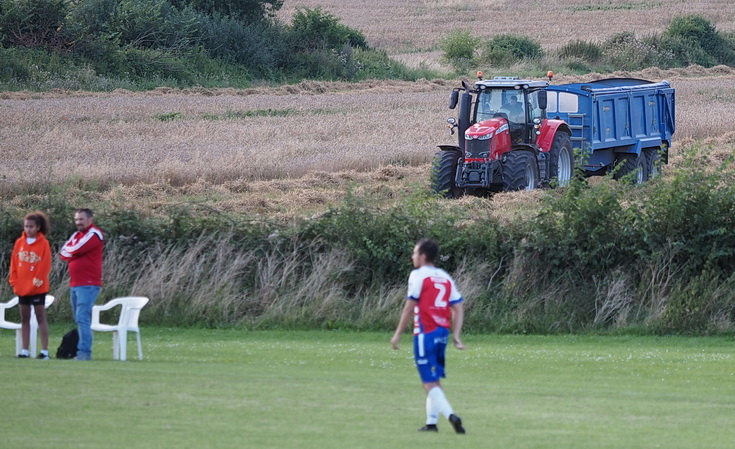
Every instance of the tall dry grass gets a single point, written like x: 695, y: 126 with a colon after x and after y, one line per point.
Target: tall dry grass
x: 213, y: 283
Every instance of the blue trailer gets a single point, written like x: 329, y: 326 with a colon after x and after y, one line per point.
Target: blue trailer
x: 617, y: 118
x: 516, y: 134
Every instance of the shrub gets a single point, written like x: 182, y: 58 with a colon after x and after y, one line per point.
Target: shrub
x: 313, y: 29
x: 154, y: 24
x: 623, y: 51
x: 579, y: 49
x: 506, y: 49
x: 249, y: 11
x: 34, y: 23
x: 257, y: 46
x: 458, y: 49
x: 694, y: 40
x: 376, y: 64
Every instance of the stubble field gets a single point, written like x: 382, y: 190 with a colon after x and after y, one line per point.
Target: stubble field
x: 410, y: 30
x: 289, y: 150
x: 281, y: 151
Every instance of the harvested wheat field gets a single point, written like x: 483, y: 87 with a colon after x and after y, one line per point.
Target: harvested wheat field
x: 410, y: 30
x: 286, y: 150
x: 294, y: 150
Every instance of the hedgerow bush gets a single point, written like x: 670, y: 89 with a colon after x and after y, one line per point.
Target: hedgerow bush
x: 604, y: 256
x: 314, y: 29
x: 687, y: 40
x: 34, y: 24
x: 624, y: 51
x: 180, y: 43
x: 458, y: 49
x: 584, y: 50
x: 506, y: 49
x: 695, y: 40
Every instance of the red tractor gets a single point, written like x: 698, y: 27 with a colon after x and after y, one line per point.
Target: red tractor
x: 517, y: 134
x: 505, y: 143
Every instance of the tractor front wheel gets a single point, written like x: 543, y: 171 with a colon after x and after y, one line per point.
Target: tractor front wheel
x: 520, y: 171
x: 443, y: 171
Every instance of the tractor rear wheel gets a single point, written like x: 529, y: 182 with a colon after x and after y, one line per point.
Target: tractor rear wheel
x: 627, y: 163
x: 561, y: 159
x: 520, y: 171
x: 443, y: 171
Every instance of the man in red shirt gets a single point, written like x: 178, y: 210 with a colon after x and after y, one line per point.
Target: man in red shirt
x: 436, y: 306
x: 83, y: 252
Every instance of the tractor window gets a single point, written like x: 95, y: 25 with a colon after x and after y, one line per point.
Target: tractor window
x: 513, y: 106
x: 536, y: 111
x: 489, y: 103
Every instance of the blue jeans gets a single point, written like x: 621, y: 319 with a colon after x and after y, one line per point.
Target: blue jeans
x: 82, y: 300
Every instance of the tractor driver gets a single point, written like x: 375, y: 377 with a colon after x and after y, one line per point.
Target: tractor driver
x: 514, y: 108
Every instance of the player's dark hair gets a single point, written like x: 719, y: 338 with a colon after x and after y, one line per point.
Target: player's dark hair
x: 429, y: 248
x: 85, y: 211
x: 41, y: 221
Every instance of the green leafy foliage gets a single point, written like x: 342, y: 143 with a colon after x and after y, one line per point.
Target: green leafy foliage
x: 584, y: 50
x: 458, y: 49
x: 625, y: 51
x: 314, y: 29
x: 694, y: 40
x: 608, y: 255
x: 505, y: 49
x: 34, y: 23
x: 247, y: 10
x: 125, y: 43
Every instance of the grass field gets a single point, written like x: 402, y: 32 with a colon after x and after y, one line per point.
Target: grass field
x: 236, y: 388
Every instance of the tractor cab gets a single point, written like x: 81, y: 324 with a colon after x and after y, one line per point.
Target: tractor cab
x: 521, y: 103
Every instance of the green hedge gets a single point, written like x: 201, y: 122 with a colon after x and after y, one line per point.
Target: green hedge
x: 606, y: 256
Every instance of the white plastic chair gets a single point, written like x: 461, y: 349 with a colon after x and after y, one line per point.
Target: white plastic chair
x: 128, y: 322
x: 4, y: 324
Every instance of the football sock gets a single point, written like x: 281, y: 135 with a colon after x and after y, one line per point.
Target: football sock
x: 432, y: 414
x: 439, y: 401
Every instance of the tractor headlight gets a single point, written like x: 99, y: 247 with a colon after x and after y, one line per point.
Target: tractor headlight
x: 485, y: 136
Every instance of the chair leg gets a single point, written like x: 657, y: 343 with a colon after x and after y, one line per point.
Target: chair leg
x: 140, y: 347
x: 33, y: 337
x: 115, y: 345
x: 123, y: 344
x: 18, y: 342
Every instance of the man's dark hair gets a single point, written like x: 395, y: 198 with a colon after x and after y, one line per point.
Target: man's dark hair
x: 85, y: 211
x: 429, y: 248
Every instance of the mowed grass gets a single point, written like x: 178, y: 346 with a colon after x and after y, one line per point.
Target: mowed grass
x: 316, y: 389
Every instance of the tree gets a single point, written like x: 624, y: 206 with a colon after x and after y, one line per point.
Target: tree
x: 33, y: 23
x: 246, y: 10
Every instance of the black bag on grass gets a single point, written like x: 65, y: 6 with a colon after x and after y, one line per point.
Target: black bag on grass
x: 68, y: 347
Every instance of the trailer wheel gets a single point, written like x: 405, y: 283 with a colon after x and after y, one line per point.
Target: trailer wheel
x: 627, y: 163
x: 561, y: 159
x: 443, y: 170
x: 520, y: 171
x: 653, y: 162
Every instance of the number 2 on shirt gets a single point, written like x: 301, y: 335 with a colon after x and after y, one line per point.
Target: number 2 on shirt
x: 439, y: 301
